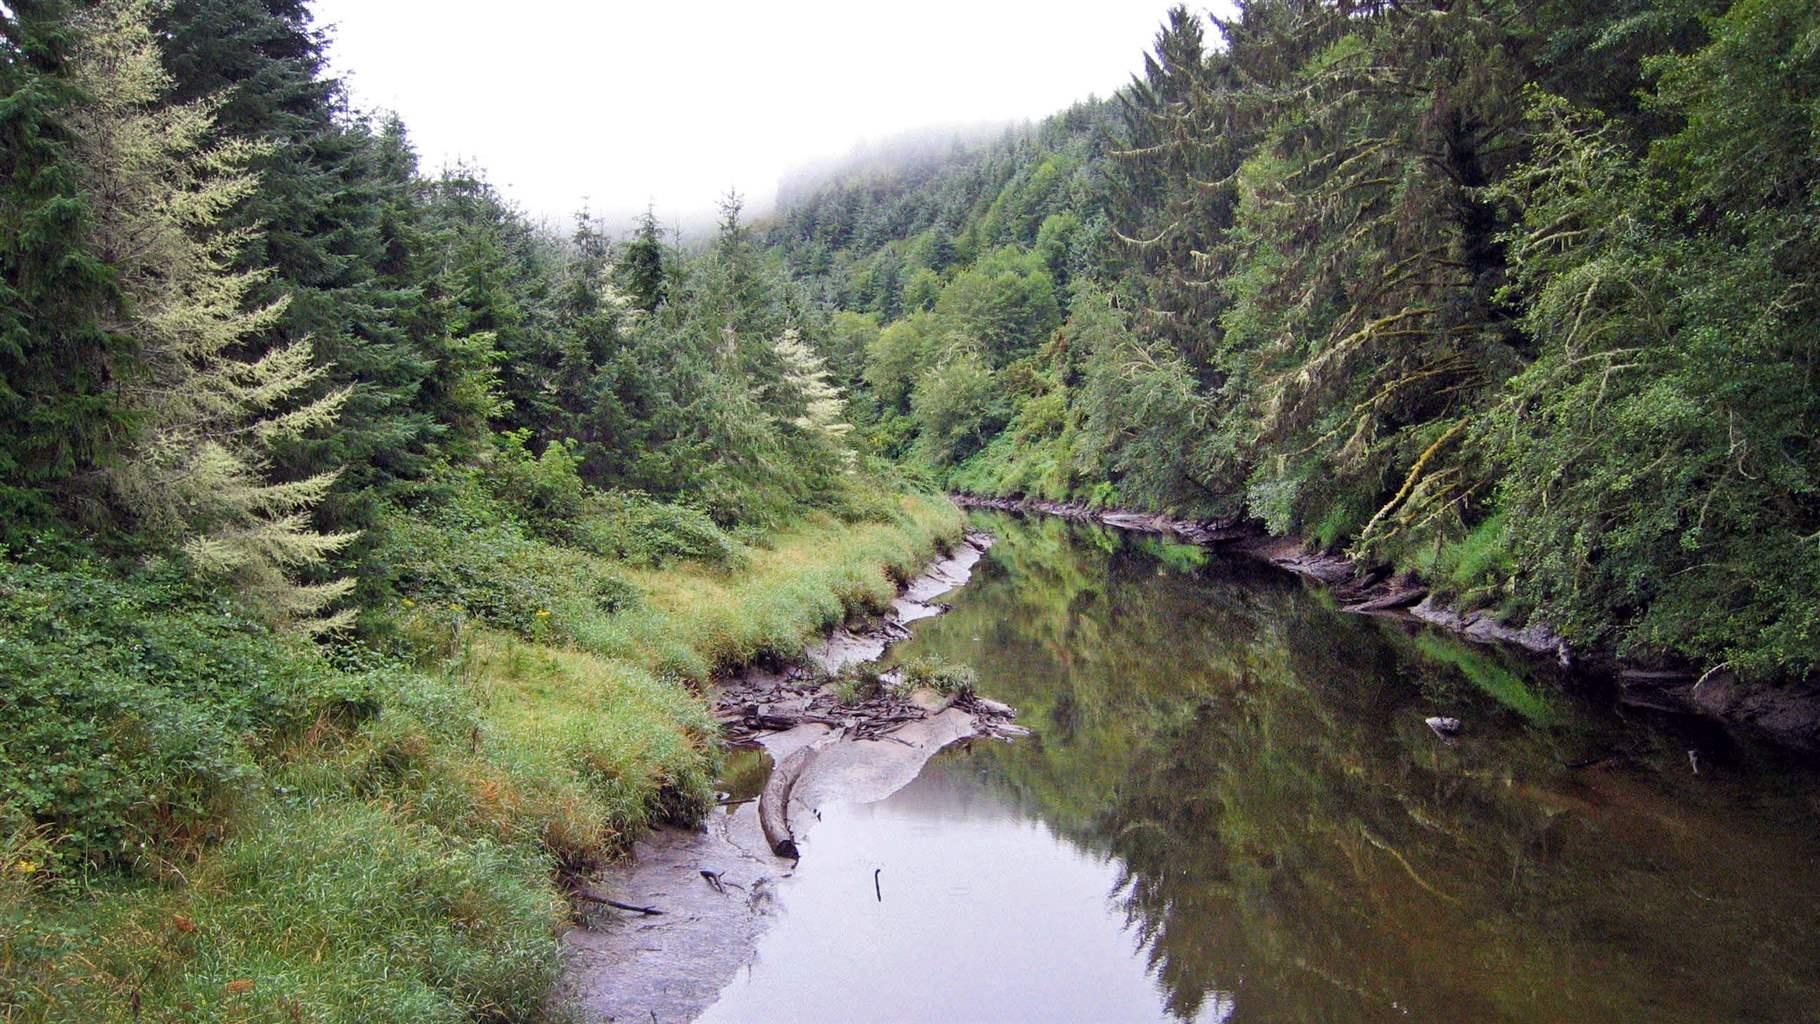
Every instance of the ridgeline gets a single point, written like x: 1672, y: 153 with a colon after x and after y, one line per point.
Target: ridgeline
x: 1521, y: 299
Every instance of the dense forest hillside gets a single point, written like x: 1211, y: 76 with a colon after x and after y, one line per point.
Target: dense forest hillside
x: 363, y: 545
x: 1519, y: 296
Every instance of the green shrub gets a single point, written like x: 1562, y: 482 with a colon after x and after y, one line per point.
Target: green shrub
x: 856, y: 683
x: 1340, y: 521
x: 132, y: 706
x: 548, y: 489
x: 499, y: 575
x: 643, y: 531
x: 944, y: 677
x: 861, y: 499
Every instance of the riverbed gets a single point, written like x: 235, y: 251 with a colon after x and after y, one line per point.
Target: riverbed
x: 1231, y: 807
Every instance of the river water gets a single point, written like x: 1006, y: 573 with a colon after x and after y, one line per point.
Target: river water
x: 1231, y: 809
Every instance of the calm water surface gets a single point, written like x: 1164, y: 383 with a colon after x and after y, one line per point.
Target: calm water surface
x: 1231, y: 810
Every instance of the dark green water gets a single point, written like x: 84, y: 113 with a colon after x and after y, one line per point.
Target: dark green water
x: 1232, y: 810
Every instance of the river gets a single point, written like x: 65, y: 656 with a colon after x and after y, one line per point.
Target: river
x: 1230, y: 809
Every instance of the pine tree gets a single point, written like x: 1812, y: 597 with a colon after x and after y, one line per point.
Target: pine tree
x: 197, y: 473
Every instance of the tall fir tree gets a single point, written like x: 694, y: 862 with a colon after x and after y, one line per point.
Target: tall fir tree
x: 60, y: 416
x: 641, y: 264
x: 327, y: 211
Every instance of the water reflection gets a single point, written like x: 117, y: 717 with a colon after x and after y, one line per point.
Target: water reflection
x: 1287, y: 841
x: 948, y: 903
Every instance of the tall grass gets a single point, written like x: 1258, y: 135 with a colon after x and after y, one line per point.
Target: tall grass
x: 377, y: 839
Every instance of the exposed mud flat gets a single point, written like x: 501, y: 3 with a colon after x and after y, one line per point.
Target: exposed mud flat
x: 714, y: 885
x: 847, y: 646
x: 631, y: 967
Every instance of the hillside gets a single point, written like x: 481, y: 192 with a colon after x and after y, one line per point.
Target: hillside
x: 1519, y: 298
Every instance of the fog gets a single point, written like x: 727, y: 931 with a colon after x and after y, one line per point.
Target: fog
x: 620, y: 104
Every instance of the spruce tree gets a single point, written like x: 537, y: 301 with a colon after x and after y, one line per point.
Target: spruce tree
x: 327, y: 213
x: 641, y: 266
x: 59, y: 411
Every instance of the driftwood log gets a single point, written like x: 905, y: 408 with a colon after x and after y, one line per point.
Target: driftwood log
x: 774, y: 802
x: 588, y: 895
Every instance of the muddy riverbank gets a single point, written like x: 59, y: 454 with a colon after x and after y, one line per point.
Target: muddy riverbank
x: 711, y: 890
x: 1787, y: 715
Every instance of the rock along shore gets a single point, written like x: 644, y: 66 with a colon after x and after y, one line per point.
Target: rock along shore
x: 1786, y: 715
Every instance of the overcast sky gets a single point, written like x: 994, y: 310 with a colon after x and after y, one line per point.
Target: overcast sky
x: 628, y: 101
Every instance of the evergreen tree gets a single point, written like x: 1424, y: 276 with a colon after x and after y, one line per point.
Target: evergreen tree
x: 641, y: 265
x: 501, y: 279
x: 329, y: 193
x: 197, y: 472
x: 60, y: 413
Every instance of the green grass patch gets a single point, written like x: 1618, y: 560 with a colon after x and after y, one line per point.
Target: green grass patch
x: 693, y: 621
x: 319, y: 910
x: 944, y: 677
x: 201, y: 819
x: 633, y: 747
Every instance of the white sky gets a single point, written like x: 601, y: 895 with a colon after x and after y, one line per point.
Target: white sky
x: 628, y: 102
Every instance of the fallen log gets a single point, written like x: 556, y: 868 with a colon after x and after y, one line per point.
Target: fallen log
x: 774, y: 802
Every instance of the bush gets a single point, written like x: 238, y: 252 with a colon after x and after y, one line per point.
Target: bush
x: 643, y: 531
x: 131, y: 707
x: 856, y: 683
x: 547, y: 489
x: 500, y: 576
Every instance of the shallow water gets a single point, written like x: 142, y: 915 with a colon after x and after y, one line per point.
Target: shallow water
x: 1231, y: 809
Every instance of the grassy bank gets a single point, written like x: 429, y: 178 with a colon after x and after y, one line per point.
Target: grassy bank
x: 201, y: 819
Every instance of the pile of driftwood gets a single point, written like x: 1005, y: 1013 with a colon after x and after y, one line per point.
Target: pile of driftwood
x: 990, y: 719
x: 764, y: 703
x: 758, y: 704
x: 753, y: 707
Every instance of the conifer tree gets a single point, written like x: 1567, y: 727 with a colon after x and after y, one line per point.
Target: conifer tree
x: 805, y: 382
x: 641, y: 266
x: 501, y: 277
x: 59, y: 412
x: 197, y: 474
x: 327, y: 214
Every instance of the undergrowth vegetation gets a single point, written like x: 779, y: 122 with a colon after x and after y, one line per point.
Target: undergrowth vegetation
x: 205, y: 819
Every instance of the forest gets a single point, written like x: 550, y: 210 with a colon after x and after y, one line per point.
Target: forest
x: 1518, y: 296
x: 365, y: 545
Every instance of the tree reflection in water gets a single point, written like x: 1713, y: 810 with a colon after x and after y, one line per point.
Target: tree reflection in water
x: 1294, y: 839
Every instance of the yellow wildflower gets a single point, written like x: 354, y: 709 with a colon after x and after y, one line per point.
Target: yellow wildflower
x: 543, y: 613
x: 26, y: 867
x: 408, y: 603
